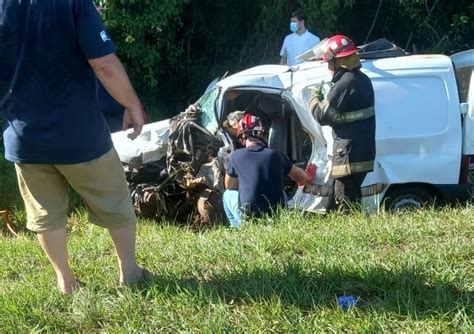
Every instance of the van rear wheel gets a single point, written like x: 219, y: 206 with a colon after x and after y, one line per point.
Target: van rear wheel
x: 407, y: 198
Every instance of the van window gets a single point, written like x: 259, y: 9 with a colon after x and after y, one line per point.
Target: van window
x: 410, y: 106
x: 207, y: 102
x: 464, y: 78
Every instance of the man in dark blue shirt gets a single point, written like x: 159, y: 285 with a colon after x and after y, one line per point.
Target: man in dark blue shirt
x: 255, y: 175
x: 51, y: 53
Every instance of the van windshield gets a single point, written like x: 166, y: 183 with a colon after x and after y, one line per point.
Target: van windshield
x: 208, y: 102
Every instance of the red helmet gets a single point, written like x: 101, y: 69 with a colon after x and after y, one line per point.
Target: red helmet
x: 338, y: 46
x: 250, y: 126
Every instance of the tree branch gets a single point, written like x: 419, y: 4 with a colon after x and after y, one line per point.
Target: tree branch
x: 426, y: 19
x: 373, y: 21
x: 410, y: 37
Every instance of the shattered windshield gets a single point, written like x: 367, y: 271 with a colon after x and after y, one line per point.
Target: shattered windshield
x: 207, y: 102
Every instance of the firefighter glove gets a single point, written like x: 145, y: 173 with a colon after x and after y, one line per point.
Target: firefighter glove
x: 316, y: 96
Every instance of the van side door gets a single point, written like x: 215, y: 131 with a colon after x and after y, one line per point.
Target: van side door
x: 467, y: 104
x: 464, y: 64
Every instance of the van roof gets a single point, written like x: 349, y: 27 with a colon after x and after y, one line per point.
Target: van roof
x: 284, y: 77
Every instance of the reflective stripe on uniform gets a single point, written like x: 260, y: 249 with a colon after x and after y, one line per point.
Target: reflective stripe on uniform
x: 352, y: 168
x: 329, y: 112
x: 358, y: 115
x: 336, y: 117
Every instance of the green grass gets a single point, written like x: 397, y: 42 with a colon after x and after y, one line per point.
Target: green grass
x: 412, y: 273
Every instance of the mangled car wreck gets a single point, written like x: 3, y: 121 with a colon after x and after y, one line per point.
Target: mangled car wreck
x: 173, y: 170
x: 425, y: 137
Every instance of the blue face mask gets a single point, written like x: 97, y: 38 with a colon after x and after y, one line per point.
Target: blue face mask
x: 294, y: 26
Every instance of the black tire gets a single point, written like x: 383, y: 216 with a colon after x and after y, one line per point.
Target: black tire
x: 407, y: 198
x: 470, y: 175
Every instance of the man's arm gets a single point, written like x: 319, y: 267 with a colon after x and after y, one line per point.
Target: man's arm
x: 231, y: 183
x: 283, y: 60
x: 299, y: 175
x: 111, y: 73
x: 321, y: 108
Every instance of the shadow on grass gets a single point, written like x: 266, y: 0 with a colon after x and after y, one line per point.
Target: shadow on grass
x: 406, y: 292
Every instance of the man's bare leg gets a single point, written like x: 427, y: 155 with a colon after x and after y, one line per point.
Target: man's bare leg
x: 124, y: 242
x: 55, y: 246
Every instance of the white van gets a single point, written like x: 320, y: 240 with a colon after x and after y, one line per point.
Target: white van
x: 425, y: 126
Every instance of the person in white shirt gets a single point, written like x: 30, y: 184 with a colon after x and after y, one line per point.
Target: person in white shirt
x: 300, y: 41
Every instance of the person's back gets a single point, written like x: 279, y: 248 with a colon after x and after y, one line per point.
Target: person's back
x: 48, y: 91
x: 350, y: 110
x: 261, y: 172
x: 255, y: 175
x: 356, y: 88
x: 361, y: 97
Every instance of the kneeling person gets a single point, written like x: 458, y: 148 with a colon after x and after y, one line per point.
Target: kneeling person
x: 255, y: 175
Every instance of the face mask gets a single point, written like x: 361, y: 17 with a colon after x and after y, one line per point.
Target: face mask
x: 294, y: 26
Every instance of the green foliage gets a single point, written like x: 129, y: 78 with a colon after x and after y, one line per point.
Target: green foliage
x: 433, y: 26
x: 9, y: 194
x: 412, y: 272
x: 146, y: 32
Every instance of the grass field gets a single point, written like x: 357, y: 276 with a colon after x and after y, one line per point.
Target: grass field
x: 411, y: 273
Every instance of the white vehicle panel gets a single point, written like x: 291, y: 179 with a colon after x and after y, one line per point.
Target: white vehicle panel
x: 150, y: 145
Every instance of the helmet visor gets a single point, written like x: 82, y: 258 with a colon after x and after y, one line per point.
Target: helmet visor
x: 314, y: 53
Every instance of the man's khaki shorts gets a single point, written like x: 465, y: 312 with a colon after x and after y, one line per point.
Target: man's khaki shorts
x: 101, y: 184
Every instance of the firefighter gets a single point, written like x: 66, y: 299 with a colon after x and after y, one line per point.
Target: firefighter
x: 255, y: 175
x: 349, y: 110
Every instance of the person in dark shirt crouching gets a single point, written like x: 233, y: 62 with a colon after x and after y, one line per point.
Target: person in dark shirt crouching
x: 255, y: 175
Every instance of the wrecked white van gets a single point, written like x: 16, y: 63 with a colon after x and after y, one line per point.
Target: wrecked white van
x: 425, y: 127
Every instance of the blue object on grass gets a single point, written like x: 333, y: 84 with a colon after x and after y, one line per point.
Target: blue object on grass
x: 347, y: 301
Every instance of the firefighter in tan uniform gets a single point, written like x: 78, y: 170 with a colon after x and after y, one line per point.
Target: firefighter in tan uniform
x: 349, y: 110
